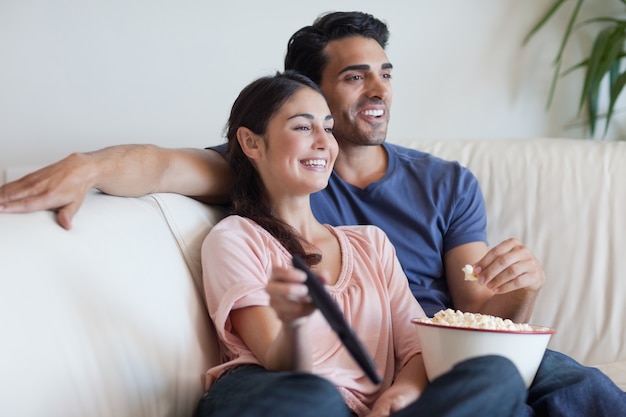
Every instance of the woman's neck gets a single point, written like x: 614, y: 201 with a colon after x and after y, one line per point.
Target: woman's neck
x: 320, y: 238
x: 298, y: 215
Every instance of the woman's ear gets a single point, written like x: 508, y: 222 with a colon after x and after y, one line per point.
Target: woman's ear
x: 249, y: 142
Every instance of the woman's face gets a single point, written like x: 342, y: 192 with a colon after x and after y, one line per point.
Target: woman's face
x: 299, y: 149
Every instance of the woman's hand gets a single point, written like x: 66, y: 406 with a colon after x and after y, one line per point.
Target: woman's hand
x: 406, y: 389
x: 289, y: 296
x: 392, y: 401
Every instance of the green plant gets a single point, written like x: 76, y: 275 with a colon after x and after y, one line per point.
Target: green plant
x: 604, y: 60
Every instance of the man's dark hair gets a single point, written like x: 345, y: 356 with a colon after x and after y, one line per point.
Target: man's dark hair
x: 305, y: 50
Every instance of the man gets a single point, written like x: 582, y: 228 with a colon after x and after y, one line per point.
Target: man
x: 431, y: 209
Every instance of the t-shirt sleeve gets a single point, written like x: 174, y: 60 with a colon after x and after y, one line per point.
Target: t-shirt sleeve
x: 235, y: 270
x: 221, y: 149
x: 468, y: 222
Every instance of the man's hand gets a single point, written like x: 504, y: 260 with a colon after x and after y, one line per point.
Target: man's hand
x: 508, y: 267
x: 509, y: 278
x: 122, y: 170
x: 61, y: 186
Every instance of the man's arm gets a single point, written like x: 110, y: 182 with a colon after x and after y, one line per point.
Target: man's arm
x: 124, y: 170
x: 509, y: 279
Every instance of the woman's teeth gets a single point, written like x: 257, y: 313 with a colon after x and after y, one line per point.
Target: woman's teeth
x: 314, y: 163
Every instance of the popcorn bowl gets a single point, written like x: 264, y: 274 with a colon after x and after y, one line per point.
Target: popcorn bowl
x: 443, y: 346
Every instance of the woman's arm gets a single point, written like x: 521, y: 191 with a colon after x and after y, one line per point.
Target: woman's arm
x: 278, y: 335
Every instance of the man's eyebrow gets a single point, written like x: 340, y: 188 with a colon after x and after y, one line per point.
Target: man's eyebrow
x: 364, y: 67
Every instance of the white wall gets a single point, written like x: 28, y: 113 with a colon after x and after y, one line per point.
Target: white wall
x: 79, y: 75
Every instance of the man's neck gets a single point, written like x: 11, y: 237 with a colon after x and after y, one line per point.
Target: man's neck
x: 361, y: 165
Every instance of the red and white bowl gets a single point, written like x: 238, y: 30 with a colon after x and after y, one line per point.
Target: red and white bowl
x: 444, y: 346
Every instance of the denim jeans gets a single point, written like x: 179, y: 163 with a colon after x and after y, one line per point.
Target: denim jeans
x: 486, y: 386
x: 565, y: 388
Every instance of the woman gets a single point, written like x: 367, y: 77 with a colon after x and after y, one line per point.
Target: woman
x: 280, y: 356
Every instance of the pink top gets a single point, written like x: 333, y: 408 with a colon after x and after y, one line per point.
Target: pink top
x: 372, y: 291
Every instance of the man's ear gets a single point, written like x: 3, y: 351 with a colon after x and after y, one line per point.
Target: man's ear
x: 249, y: 142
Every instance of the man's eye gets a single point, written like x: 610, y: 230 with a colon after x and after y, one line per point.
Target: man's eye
x: 355, y: 77
x: 303, y: 128
x: 388, y: 76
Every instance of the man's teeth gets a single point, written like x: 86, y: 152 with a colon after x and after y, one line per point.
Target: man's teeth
x: 314, y: 163
x: 374, y: 113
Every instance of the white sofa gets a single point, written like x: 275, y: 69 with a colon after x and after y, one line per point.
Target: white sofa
x: 107, y: 320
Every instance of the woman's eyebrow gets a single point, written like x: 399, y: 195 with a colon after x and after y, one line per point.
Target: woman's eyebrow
x: 310, y: 116
x: 305, y: 115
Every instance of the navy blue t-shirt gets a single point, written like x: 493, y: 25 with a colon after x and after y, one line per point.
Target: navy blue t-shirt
x: 426, y: 206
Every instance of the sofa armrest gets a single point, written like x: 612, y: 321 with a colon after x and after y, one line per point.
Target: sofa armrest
x: 105, y: 319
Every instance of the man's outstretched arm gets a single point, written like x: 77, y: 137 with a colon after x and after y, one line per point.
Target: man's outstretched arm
x: 124, y: 170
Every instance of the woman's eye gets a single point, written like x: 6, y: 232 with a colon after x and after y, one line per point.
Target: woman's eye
x: 305, y: 128
x: 328, y: 129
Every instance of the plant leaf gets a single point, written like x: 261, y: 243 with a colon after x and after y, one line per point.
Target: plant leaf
x: 614, y: 72
x: 568, y: 30
x: 616, y: 89
x: 557, y: 62
x: 592, y: 77
x: 612, y: 51
x: 555, y: 6
x: 607, y: 50
x: 600, y: 19
x: 581, y: 64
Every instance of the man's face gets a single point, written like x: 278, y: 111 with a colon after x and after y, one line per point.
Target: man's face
x: 357, y: 85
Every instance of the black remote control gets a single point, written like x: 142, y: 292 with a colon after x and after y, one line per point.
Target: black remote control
x: 333, y: 314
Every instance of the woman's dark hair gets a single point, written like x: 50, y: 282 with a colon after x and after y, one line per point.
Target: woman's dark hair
x: 253, y: 109
x: 305, y: 49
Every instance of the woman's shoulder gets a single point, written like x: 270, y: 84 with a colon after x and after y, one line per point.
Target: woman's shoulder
x: 235, y: 228
x: 240, y: 232
x: 235, y: 222
x: 231, y: 220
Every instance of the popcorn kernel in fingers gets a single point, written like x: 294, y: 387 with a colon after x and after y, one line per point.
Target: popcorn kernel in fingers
x: 469, y: 273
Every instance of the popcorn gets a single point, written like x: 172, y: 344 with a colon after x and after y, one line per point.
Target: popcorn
x: 469, y: 273
x: 450, y: 317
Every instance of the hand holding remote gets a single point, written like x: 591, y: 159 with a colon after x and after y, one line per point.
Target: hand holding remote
x: 333, y: 314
